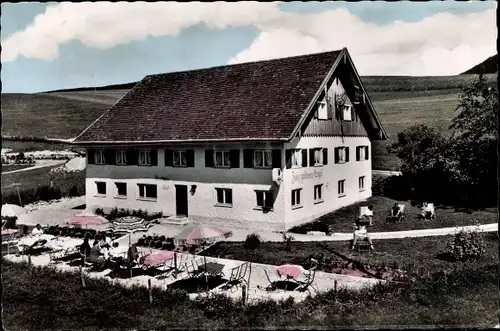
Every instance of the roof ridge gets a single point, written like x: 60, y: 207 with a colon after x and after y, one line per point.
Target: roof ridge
x: 245, y: 63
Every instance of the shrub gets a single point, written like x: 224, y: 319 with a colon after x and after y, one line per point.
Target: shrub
x: 73, y: 191
x: 465, y: 245
x: 99, y: 211
x: 10, y: 222
x: 252, y: 241
x: 288, y: 239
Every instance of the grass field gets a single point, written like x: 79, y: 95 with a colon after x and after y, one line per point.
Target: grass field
x: 28, y: 146
x: 399, y: 101
x: 12, y: 167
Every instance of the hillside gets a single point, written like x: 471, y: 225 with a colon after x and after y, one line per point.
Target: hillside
x: 488, y: 66
x: 399, y: 101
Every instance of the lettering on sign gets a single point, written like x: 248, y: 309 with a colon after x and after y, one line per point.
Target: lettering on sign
x: 299, y: 177
x: 161, y: 177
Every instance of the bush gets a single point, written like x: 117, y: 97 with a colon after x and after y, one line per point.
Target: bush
x: 288, y: 239
x: 10, y: 222
x: 252, y: 241
x: 466, y: 245
x: 73, y: 191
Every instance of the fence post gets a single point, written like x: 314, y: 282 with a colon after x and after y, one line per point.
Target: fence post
x: 249, y: 275
x: 29, y: 259
x: 82, y: 277
x: 175, y: 260
x: 243, y: 293
x: 335, y: 291
x: 150, y: 291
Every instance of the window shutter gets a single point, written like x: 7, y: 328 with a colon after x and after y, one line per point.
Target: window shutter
x: 234, y: 158
x: 358, y: 152
x: 336, y: 152
x: 276, y: 158
x: 169, y: 158
x: 311, y: 157
x: 347, y: 154
x: 248, y: 158
x: 329, y: 109
x: 132, y: 157
x: 367, y: 152
x: 90, y: 156
x: 209, y: 158
x: 325, y: 156
x: 189, y: 158
x: 154, y: 157
x: 304, y: 157
x: 288, y: 157
x: 353, y: 118
x: 110, y: 156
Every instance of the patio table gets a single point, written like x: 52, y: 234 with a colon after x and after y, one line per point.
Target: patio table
x: 211, y: 269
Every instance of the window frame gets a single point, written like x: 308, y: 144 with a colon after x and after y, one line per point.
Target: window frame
x: 223, y: 151
x: 99, y: 152
x: 295, y: 152
x: 264, y: 193
x: 145, y: 191
x: 97, y: 189
x: 342, y: 152
x: 298, y: 197
x: 180, y: 152
x: 320, y: 151
x: 318, y: 112
x: 263, y: 152
x: 341, y: 194
x: 146, y: 153
x: 117, y: 192
x: 123, y: 154
x: 361, y: 180
x: 321, y: 194
x: 347, y: 109
x: 224, y: 197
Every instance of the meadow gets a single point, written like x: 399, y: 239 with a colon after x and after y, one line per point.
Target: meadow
x: 399, y: 101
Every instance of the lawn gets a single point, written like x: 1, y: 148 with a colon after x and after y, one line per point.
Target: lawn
x: 342, y: 220
x: 29, y: 146
x: 12, y: 167
x: 407, y: 254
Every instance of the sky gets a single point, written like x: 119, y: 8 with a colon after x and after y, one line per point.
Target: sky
x: 48, y: 46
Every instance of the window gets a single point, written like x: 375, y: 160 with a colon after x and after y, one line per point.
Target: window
x: 341, y: 188
x: 144, y: 157
x: 99, y: 157
x: 121, y: 189
x: 121, y: 157
x: 101, y: 188
x: 262, y: 159
x: 222, y: 159
x: 347, y: 113
x: 322, y: 113
x: 341, y: 154
x: 296, y: 158
x: 264, y: 199
x: 224, y: 197
x: 317, y: 156
x: 296, y: 203
x: 318, y: 193
x: 362, y: 153
x: 180, y: 159
x: 147, y: 191
x: 362, y: 183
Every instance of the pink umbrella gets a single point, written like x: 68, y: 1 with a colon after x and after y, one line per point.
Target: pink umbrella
x: 157, y: 258
x: 194, y: 234
x: 85, y: 220
x: 7, y: 232
x: 290, y: 270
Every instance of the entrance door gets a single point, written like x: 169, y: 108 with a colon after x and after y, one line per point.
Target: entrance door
x: 181, y: 198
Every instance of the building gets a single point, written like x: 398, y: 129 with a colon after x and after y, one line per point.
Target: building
x: 269, y: 144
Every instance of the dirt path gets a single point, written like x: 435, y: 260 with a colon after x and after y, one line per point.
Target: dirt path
x: 386, y: 172
x: 39, y: 164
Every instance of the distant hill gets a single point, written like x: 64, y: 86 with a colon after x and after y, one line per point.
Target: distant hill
x: 488, y: 66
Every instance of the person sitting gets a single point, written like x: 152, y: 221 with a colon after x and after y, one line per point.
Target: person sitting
x: 426, y: 211
x: 37, y: 230
x: 85, y: 248
x: 361, y: 234
x: 396, y: 211
x: 95, y: 256
x: 367, y: 215
x: 25, y: 231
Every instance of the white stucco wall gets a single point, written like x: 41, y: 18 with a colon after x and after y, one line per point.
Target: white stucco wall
x: 201, y: 205
x: 328, y: 175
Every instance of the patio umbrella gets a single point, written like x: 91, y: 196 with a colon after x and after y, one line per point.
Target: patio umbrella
x: 157, y: 258
x: 9, y: 210
x: 85, y: 220
x: 7, y: 232
x: 290, y: 270
x: 193, y: 234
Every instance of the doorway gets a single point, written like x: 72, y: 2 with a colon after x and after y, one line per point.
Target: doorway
x: 181, y: 200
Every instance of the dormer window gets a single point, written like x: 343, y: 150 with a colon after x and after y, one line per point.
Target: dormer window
x: 322, y: 111
x: 347, y: 113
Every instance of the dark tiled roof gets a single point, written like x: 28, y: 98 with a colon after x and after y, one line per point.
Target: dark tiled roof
x: 257, y: 100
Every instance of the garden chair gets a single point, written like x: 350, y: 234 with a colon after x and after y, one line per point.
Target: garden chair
x: 237, y: 276
x: 362, y: 245
x: 363, y: 218
x: 271, y: 286
x: 402, y: 214
x: 429, y: 210
x: 308, y: 282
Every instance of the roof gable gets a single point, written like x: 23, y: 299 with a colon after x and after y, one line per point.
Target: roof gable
x: 250, y: 101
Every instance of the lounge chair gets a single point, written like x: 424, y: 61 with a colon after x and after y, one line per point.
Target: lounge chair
x: 363, y: 210
x: 395, y: 218
x: 237, y: 276
x: 308, y: 282
x: 35, y: 249
x: 430, y: 208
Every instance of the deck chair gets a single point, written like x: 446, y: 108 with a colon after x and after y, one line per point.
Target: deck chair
x: 35, y: 249
x: 402, y: 210
x: 271, y: 286
x: 237, y: 276
x: 308, y: 282
x: 363, y: 210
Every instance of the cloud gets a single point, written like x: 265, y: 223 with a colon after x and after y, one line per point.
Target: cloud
x: 442, y: 44
x: 104, y: 25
